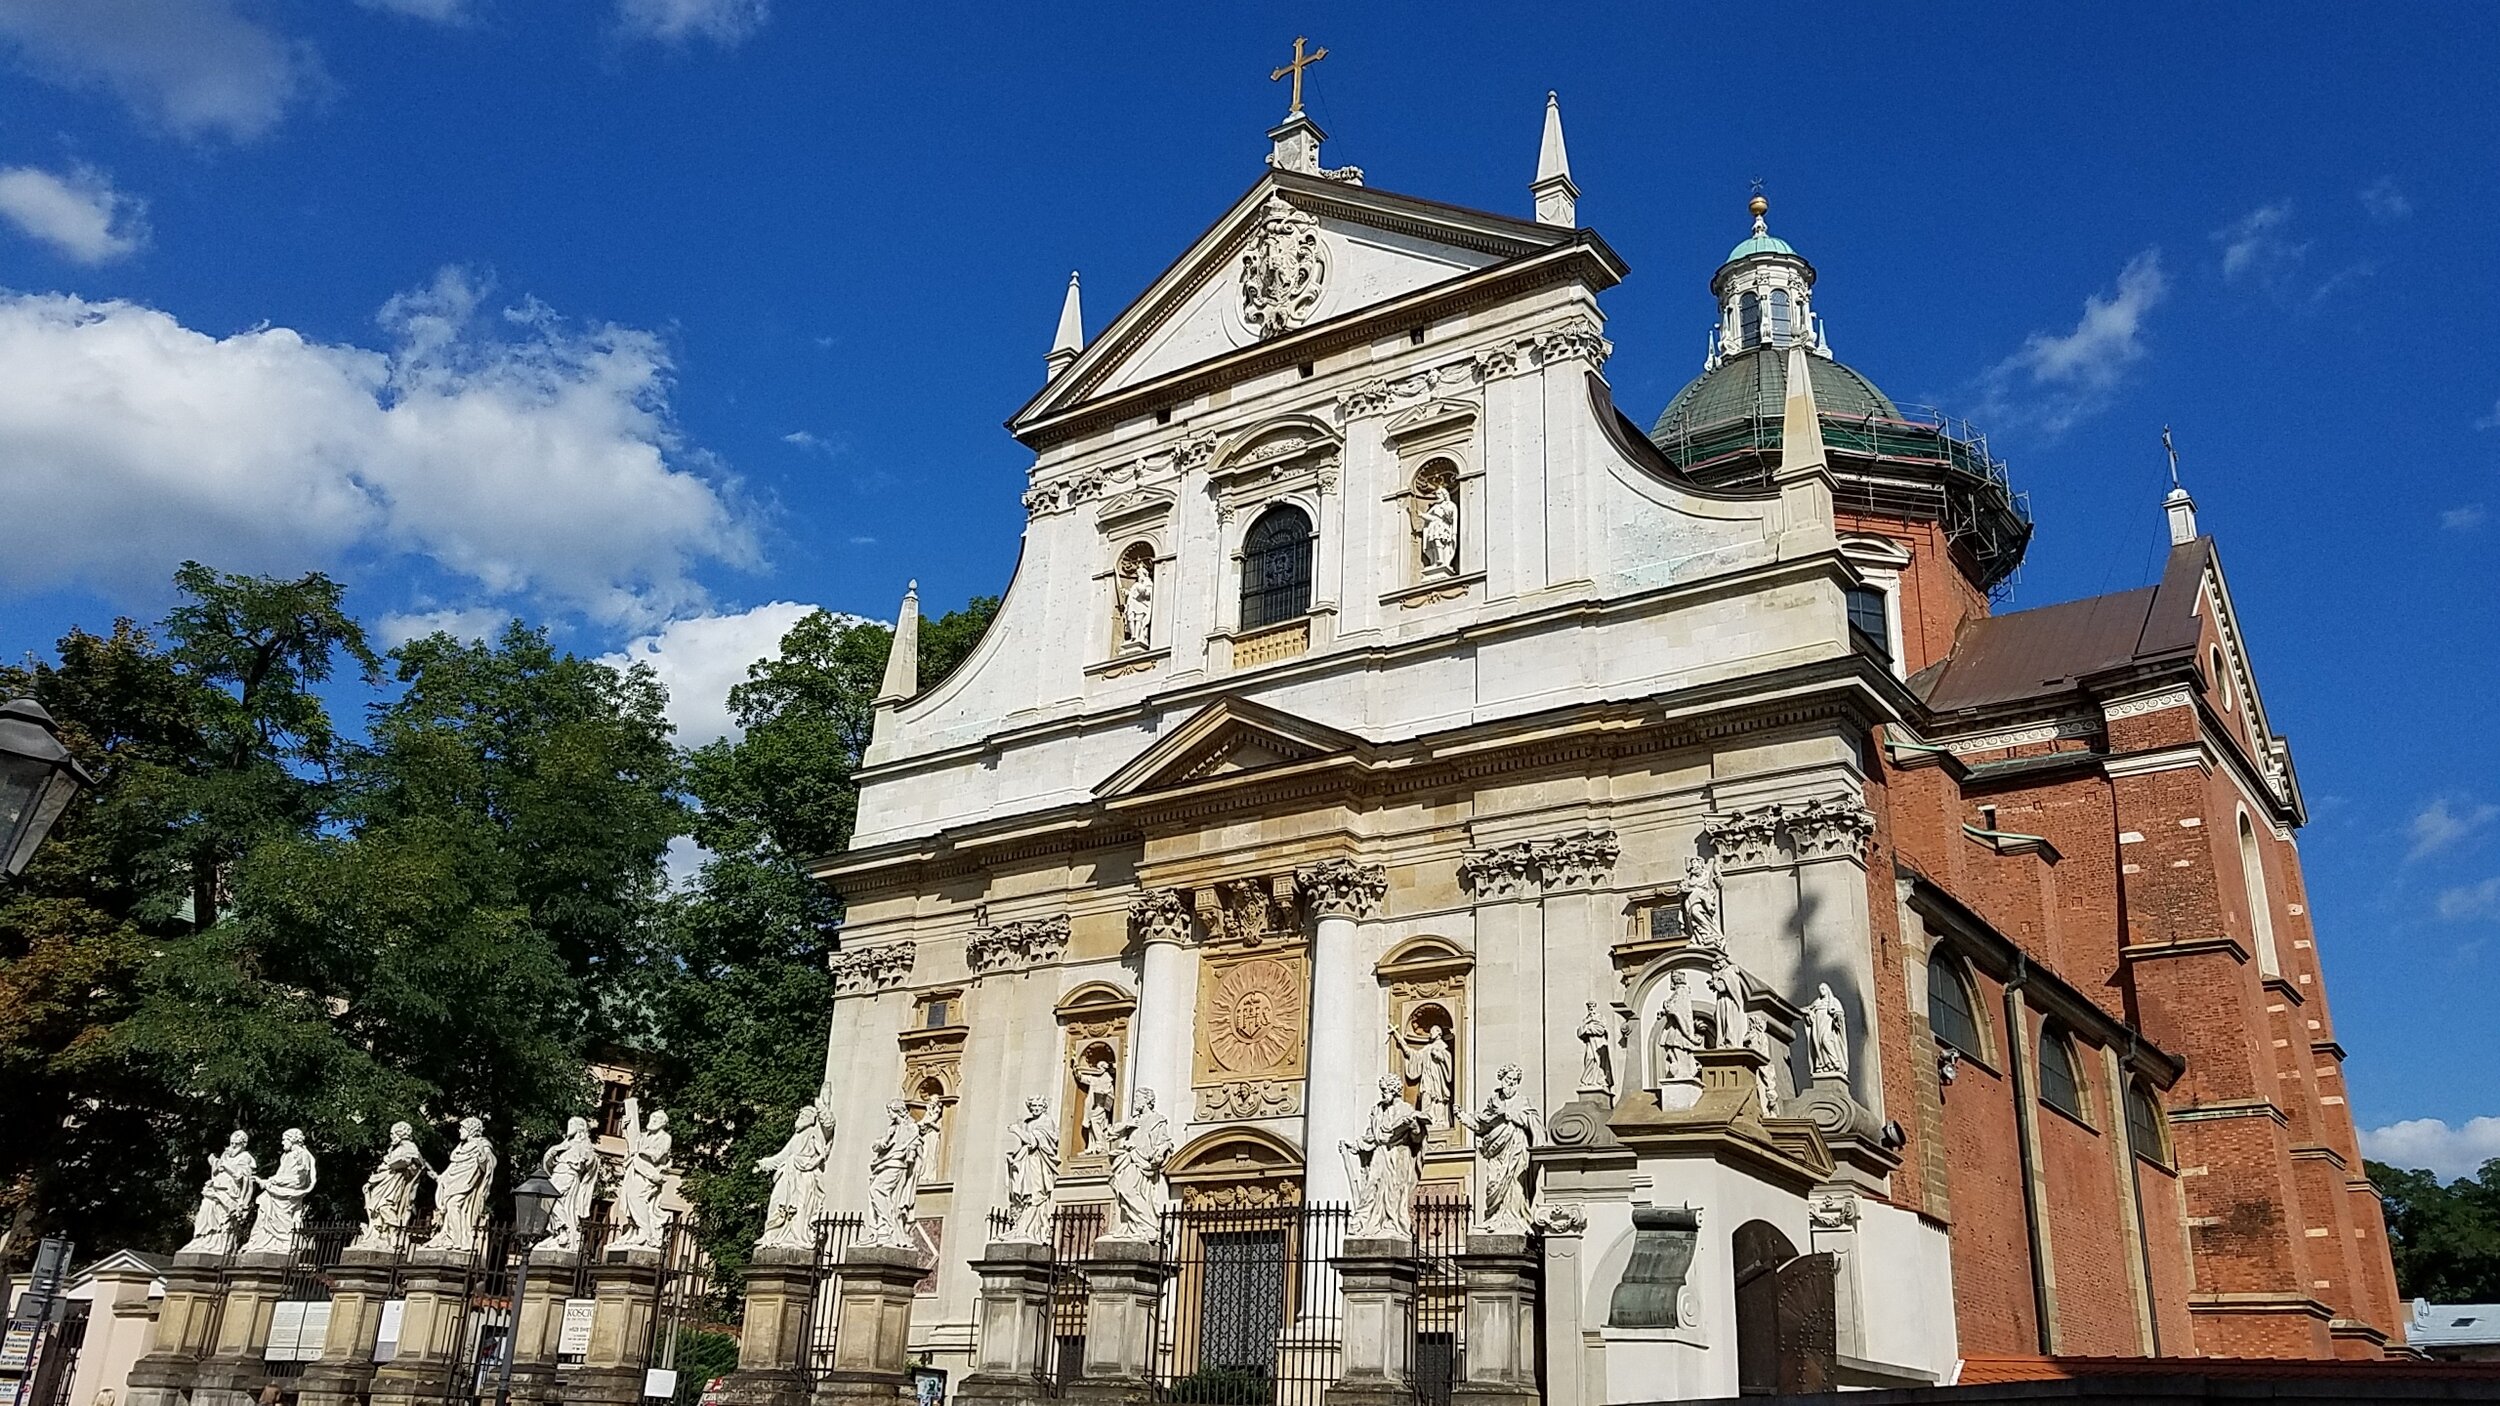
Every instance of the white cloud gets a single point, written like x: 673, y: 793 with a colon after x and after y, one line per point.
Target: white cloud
x: 200, y: 67
x: 2429, y: 1143
x: 78, y: 214
x: 700, y: 658
x: 535, y: 460
x: 721, y: 21
x: 482, y: 622
x: 2385, y: 201
x: 2464, y: 519
x: 2439, y: 826
x: 2057, y: 379
x: 683, y: 863
x: 2258, y: 246
x: 2467, y: 902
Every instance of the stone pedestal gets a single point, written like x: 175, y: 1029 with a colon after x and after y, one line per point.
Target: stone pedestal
x: 1123, y: 1282
x: 237, y: 1364
x: 1013, y: 1363
x: 360, y: 1283
x: 872, y: 1328
x: 1500, y: 1370
x: 185, y: 1321
x: 625, y: 1294
x: 1376, y: 1356
x: 434, y: 1293
x: 540, y: 1330
x: 773, y: 1344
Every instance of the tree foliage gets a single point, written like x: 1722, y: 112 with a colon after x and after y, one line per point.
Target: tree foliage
x: 2445, y: 1238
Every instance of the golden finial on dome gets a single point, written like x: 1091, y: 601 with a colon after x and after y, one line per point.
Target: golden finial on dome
x: 1758, y: 206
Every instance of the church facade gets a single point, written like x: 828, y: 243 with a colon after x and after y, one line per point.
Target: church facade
x: 1375, y: 699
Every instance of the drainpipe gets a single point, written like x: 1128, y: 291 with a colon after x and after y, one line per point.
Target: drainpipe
x: 2026, y: 1143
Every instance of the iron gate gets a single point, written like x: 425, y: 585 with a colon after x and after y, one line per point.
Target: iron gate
x: 1252, y: 1313
x: 834, y: 1237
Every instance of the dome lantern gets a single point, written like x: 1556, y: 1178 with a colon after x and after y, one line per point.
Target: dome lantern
x: 1765, y: 290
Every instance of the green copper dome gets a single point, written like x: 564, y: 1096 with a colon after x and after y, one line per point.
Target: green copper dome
x: 1759, y: 244
x: 1753, y: 385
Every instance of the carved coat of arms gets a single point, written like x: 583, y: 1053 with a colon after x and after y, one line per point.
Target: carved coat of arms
x: 1282, y: 271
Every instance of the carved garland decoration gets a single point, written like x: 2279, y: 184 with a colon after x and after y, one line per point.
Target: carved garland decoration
x: 1583, y: 858
x: 1250, y: 1098
x: 1828, y: 827
x: 866, y: 969
x: 1017, y: 945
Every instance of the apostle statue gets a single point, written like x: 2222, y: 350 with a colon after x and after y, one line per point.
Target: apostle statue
x: 391, y: 1192
x: 1137, y: 612
x: 1140, y: 1145
x: 279, y: 1210
x: 894, y: 1175
x: 1440, y: 531
x: 1032, y: 1173
x: 1679, y: 1031
x: 644, y: 1180
x: 1388, y: 1161
x: 1700, y: 904
x: 573, y: 1167
x: 1506, y: 1128
x: 1432, y: 1067
x: 1099, y: 1081
x: 1597, y: 1041
x: 1827, y: 1034
x: 461, y: 1189
x: 798, y: 1199
x: 225, y: 1200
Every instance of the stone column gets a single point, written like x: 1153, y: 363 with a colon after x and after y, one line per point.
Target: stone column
x: 188, y: 1314
x: 1167, y: 998
x: 434, y: 1292
x: 360, y: 1283
x: 872, y: 1328
x: 1344, y: 1052
x: 539, y: 1333
x: 773, y: 1343
x: 1123, y: 1282
x: 1376, y: 1358
x: 625, y: 1296
x: 1015, y: 1342
x: 1500, y: 1366
x: 237, y: 1363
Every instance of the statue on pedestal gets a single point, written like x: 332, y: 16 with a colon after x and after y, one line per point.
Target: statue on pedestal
x: 798, y: 1199
x: 461, y: 1189
x: 1827, y: 1034
x: 1032, y: 1173
x: 1679, y: 1031
x: 1432, y: 1067
x: 573, y: 1166
x: 1099, y: 1081
x: 1388, y: 1162
x: 1700, y: 905
x: 644, y: 1180
x: 894, y: 1176
x: 1140, y: 1145
x: 225, y: 1200
x: 391, y: 1192
x: 279, y: 1212
x: 1506, y: 1128
x: 1766, y: 1077
x: 1137, y: 612
x: 1597, y: 1040
x: 1440, y: 532
x: 1727, y: 1006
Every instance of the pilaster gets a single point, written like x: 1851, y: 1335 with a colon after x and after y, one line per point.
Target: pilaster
x: 185, y: 1321
x: 1012, y: 1362
x: 434, y: 1301
x: 360, y: 1284
x: 237, y: 1362
x: 1123, y: 1282
x: 1376, y: 1366
x: 539, y: 1334
x: 872, y: 1329
x: 773, y: 1340
x: 1500, y: 1367
x: 625, y: 1295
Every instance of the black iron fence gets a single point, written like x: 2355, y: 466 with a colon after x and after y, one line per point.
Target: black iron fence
x: 302, y: 1319
x: 834, y: 1237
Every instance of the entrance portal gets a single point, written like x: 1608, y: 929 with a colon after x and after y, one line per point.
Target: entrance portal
x: 1787, y: 1323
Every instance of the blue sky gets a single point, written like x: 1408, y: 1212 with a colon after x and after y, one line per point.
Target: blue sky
x: 661, y: 320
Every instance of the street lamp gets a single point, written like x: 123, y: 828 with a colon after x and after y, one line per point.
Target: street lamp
x: 532, y: 1200
x: 37, y: 778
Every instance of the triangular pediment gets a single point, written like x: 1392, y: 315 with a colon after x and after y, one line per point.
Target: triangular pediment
x: 1323, y: 249
x: 1231, y: 738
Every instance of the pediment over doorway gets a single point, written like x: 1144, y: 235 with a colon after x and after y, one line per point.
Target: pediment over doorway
x: 1233, y: 738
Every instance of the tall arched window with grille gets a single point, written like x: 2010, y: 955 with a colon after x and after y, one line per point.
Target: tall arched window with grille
x: 1779, y: 317
x: 1276, y: 567
x: 1951, y: 1013
x: 1749, y: 320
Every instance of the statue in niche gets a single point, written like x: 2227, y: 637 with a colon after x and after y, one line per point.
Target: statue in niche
x: 1100, y: 1085
x: 1387, y: 1162
x: 279, y: 1210
x: 1597, y: 1041
x: 932, y: 1148
x: 798, y: 1198
x: 225, y: 1200
x: 1766, y: 1076
x: 1700, y: 904
x: 391, y: 1192
x: 1140, y: 1145
x: 1727, y: 1005
x: 1032, y: 1173
x: 894, y: 1176
x: 1827, y: 1034
x: 644, y: 1179
x: 1679, y: 1031
x: 1506, y: 1128
x: 1439, y: 529
x: 1137, y: 606
x: 572, y: 1165
x: 1431, y: 1065
x: 461, y: 1189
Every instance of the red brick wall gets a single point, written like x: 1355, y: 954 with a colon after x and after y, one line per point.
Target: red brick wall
x: 2088, y: 1243
x: 1934, y: 597
x: 1992, y: 1294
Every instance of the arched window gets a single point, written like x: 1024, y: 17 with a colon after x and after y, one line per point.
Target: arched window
x: 2061, y: 1083
x: 2260, y: 912
x: 1748, y: 320
x: 1870, y: 617
x: 2145, y: 1124
x: 2222, y: 690
x: 1951, y: 1013
x: 1779, y: 317
x: 1276, y: 568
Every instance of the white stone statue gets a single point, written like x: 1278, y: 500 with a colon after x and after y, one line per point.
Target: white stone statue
x: 1727, y: 1006
x: 1137, y: 612
x: 1032, y: 1173
x: 894, y: 1176
x: 1597, y: 1053
x: 573, y: 1166
x: 391, y: 1192
x: 1440, y: 532
x: 279, y: 1210
x: 1100, y: 1083
x: 1388, y: 1162
x: 1766, y: 1076
x: 225, y: 1200
x: 1700, y: 904
x: 644, y: 1180
x: 1679, y: 1031
x: 1506, y: 1128
x: 798, y: 1199
x: 1140, y: 1145
x: 1432, y: 1067
x: 461, y: 1189
x: 1827, y: 1034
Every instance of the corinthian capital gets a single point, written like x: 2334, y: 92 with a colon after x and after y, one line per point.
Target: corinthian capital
x: 1340, y: 888
x: 1159, y: 915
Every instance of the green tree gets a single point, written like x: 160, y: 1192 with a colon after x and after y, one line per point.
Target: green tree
x: 2445, y: 1238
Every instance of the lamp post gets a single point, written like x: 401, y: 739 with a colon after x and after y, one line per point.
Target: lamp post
x: 531, y: 1202
x: 37, y: 778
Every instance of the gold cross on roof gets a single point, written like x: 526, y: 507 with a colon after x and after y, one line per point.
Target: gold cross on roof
x: 1300, y: 62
